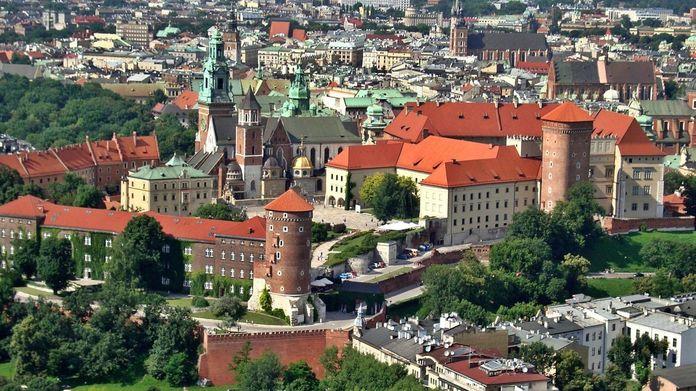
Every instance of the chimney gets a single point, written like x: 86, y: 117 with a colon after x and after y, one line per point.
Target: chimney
x: 496, y: 103
x: 540, y: 103
x: 135, y: 138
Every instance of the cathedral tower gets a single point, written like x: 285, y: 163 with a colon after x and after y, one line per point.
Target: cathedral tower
x: 233, y: 45
x: 249, y: 145
x: 213, y: 95
x: 566, y: 133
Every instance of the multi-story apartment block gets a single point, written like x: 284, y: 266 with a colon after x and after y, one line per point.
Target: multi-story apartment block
x: 136, y: 33
x: 175, y: 188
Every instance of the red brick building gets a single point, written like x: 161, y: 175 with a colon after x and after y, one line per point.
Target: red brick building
x: 216, y: 254
x: 101, y: 163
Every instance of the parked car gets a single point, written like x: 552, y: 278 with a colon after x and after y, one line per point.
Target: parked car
x: 346, y: 276
x: 403, y: 255
x: 425, y: 247
x: 377, y: 265
x: 414, y: 252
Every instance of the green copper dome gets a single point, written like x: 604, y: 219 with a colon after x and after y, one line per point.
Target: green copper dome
x: 175, y: 161
x: 644, y: 119
x: 375, y: 110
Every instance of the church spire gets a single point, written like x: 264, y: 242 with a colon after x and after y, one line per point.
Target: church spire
x: 216, y: 75
x: 299, y: 90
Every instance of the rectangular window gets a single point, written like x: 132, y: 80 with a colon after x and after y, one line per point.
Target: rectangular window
x: 88, y: 258
x: 208, y: 252
x: 108, y: 243
x: 646, y: 190
x: 636, y: 190
x: 646, y: 206
x: 188, y: 267
x: 634, y: 206
x: 636, y: 173
x: 647, y: 174
x: 88, y: 240
x: 188, y: 251
x: 608, y: 189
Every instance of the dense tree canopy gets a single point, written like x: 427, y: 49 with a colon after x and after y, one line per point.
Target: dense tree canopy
x: 355, y: 371
x: 138, y: 254
x: 390, y: 196
x: 55, y: 265
x: 49, y: 113
x: 12, y: 186
x: 221, y: 211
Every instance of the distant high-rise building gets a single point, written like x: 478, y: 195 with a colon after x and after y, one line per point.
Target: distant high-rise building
x: 136, y: 33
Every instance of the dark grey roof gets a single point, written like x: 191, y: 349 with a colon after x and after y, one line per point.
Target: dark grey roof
x: 269, y: 103
x: 206, y: 161
x: 576, y: 72
x: 249, y: 102
x: 682, y: 377
x: 315, y: 130
x: 359, y: 287
x: 225, y: 129
x: 506, y: 41
x: 29, y: 71
x: 632, y: 72
x: 563, y: 326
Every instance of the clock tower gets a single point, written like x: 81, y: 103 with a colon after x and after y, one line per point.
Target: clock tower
x: 213, y: 95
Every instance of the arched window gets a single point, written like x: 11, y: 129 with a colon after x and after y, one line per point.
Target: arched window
x: 326, y: 154
x: 252, y: 186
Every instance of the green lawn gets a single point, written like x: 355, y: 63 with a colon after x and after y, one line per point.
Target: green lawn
x: 404, y: 308
x: 142, y: 384
x: 7, y: 369
x: 393, y: 273
x: 33, y: 291
x: 250, y: 317
x: 261, y: 318
x: 360, y: 243
x: 609, y: 287
x: 620, y: 252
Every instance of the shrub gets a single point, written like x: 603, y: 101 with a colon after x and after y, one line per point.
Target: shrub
x: 339, y: 228
x: 199, y: 302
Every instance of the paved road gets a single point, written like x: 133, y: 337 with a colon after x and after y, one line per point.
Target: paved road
x: 618, y: 275
x: 404, y: 294
x: 322, y: 214
x: 321, y: 252
x: 335, y: 320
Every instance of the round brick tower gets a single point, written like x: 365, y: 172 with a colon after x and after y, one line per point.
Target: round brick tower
x: 285, y: 270
x: 567, y: 132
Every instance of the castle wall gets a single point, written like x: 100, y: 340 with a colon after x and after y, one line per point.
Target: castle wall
x: 289, y: 346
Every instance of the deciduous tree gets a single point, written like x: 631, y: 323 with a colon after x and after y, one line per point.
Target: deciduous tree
x: 55, y: 265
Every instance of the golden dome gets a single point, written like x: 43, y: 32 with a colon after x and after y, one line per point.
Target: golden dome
x: 302, y: 163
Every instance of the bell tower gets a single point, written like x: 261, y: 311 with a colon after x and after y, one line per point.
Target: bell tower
x: 459, y: 33
x: 249, y: 145
x: 213, y: 95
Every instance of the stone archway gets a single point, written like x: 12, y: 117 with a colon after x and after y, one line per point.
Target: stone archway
x: 332, y: 201
x: 340, y: 203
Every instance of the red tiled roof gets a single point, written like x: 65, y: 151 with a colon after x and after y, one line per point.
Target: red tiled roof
x: 507, y: 166
x: 88, y: 19
x: 358, y: 157
x: 533, y: 66
x: 102, y: 220
x: 290, y: 201
x: 5, y: 55
x: 75, y: 157
x: 299, y: 34
x: 427, y: 155
x: 472, y: 371
x: 139, y: 147
x: 26, y: 206
x: 465, y: 119
x: 629, y: 136
x: 567, y: 112
x: 187, y: 100
x: 80, y: 156
x: 279, y: 27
